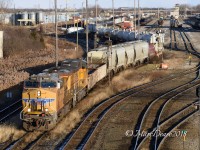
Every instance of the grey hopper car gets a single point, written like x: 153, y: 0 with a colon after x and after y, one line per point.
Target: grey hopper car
x: 120, y: 56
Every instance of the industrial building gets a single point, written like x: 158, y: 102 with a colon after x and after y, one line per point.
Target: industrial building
x: 32, y: 18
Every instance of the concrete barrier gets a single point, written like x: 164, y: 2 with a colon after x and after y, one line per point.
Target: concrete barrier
x: 1, y: 44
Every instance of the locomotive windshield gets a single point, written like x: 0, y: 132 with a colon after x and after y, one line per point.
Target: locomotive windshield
x: 31, y: 84
x: 48, y: 84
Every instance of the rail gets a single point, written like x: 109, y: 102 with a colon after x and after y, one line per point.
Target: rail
x: 150, y: 106
x: 158, y: 124
x: 70, y: 136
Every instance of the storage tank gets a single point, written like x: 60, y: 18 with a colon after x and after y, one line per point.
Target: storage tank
x: 13, y: 19
x: 32, y: 17
x: 16, y: 17
x: 25, y: 17
x: 39, y: 17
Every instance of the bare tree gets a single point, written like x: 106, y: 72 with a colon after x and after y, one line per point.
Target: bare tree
x: 92, y: 10
x: 198, y: 8
x: 4, y: 5
x: 183, y: 8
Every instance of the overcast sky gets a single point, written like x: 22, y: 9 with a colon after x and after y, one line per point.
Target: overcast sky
x: 102, y: 3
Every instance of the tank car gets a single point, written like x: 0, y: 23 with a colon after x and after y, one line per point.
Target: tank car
x: 195, y: 24
x: 48, y: 96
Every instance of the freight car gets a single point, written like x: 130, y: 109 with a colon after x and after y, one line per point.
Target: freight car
x: 160, y: 21
x: 48, y: 96
x: 120, y: 56
x: 144, y: 21
x: 195, y: 24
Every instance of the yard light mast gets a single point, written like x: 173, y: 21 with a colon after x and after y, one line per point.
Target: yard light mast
x: 135, y: 18
x: 87, y: 31
x: 96, y: 11
x: 113, y: 13
x: 138, y: 19
x: 56, y: 31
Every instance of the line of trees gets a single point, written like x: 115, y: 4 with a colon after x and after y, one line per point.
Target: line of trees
x: 189, y: 8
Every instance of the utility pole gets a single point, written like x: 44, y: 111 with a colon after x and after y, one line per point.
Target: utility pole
x: 87, y: 31
x: 76, y: 38
x: 138, y: 19
x: 56, y: 29
x: 66, y: 14
x: 96, y: 11
x: 74, y: 16
x: 82, y: 14
x: 135, y: 18
x: 113, y: 14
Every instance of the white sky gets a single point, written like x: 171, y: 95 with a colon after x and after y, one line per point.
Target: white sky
x: 102, y: 3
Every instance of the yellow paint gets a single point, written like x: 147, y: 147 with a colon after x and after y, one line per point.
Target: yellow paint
x: 62, y: 96
x: 184, y: 137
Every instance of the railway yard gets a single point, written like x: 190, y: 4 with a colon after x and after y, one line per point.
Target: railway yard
x: 149, y: 101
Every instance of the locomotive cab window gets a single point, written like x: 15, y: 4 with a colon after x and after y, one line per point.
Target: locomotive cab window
x: 48, y: 84
x: 31, y: 84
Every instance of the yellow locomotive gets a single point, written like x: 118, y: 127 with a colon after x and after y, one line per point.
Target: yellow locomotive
x: 48, y: 96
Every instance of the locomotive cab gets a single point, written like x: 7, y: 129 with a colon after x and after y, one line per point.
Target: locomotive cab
x: 39, y: 100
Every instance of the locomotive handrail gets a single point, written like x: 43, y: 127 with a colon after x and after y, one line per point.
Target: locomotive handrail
x: 22, y: 112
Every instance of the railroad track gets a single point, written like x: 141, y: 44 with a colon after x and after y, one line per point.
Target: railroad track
x: 10, y: 110
x: 174, y: 42
x: 79, y: 138
x: 153, y: 27
x: 187, y: 43
x: 169, y: 130
x: 165, y: 124
x: 27, y: 141
x: 182, y: 115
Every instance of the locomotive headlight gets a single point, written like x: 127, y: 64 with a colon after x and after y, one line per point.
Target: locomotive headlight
x: 39, y: 93
x: 29, y: 110
x: 46, y: 109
